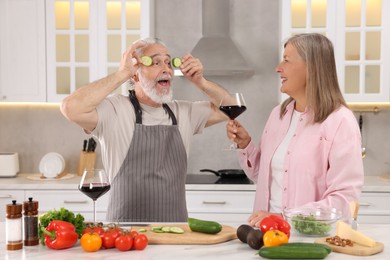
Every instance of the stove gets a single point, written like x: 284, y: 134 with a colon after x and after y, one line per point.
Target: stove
x: 213, y: 179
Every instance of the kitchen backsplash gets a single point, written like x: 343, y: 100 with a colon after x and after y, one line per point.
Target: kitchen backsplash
x: 34, y: 130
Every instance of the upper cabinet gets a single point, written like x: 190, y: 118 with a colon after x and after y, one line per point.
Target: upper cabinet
x: 50, y: 48
x: 22, y: 51
x: 360, y: 32
x: 86, y: 39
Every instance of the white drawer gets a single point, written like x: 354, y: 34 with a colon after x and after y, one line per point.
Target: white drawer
x: 72, y: 200
x: 220, y: 201
x: 374, y: 203
x: 6, y: 197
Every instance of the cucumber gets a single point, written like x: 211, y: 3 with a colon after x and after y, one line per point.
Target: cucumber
x: 298, y: 251
x: 327, y: 248
x: 146, y: 60
x: 176, y: 62
x: 204, y: 226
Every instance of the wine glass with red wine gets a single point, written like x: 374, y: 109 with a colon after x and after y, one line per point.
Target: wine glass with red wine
x: 94, y: 183
x: 233, y: 105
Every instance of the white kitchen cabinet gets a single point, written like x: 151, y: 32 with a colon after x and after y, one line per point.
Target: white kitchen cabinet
x: 6, y: 197
x: 222, y: 206
x: 86, y: 39
x: 22, y: 51
x: 72, y: 200
x: 374, y: 208
x: 49, y: 48
x: 360, y: 32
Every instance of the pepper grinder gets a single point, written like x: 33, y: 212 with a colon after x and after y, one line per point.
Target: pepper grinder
x: 30, y: 221
x: 13, y: 224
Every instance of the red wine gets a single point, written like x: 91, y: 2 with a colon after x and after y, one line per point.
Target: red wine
x: 95, y: 190
x: 232, y: 111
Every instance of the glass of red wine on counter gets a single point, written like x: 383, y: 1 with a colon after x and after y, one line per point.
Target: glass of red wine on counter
x: 233, y: 105
x: 94, y: 183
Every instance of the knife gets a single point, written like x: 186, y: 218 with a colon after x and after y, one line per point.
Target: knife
x: 85, y: 145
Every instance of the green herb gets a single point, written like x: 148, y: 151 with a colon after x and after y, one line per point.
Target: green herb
x: 62, y: 214
x: 306, y: 225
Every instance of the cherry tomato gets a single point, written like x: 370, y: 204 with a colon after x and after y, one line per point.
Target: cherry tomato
x: 98, y: 230
x: 91, y: 242
x: 134, y: 233
x: 109, y: 236
x: 124, y: 242
x: 140, y: 242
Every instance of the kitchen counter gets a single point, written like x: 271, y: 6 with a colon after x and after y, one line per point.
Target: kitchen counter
x: 231, y: 250
x: 20, y: 182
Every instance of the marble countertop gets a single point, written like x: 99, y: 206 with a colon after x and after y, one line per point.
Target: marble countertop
x: 231, y: 250
x: 21, y: 182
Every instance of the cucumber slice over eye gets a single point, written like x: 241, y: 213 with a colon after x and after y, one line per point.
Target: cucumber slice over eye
x: 146, y: 61
x: 176, y: 62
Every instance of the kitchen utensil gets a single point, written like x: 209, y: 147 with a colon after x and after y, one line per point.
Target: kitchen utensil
x: 188, y: 237
x: 9, y: 164
x: 356, y: 249
x: 51, y: 165
x: 227, y: 173
x: 354, y: 205
x: 361, y: 133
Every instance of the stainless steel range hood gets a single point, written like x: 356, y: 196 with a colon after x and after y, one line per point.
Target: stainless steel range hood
x: 216, y: 50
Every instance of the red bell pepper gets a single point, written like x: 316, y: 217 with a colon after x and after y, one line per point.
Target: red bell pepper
x: 60, y: 235
x: 274, y: 222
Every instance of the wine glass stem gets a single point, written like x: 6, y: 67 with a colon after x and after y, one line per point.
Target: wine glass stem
x: 94, y: 211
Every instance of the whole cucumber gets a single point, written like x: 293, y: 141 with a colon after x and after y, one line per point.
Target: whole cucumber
x: 300, y: 244
x: 204, y: 226
x: 293, y: 252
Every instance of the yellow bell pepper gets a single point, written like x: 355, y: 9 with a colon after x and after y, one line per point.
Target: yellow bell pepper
x: 274, y: 238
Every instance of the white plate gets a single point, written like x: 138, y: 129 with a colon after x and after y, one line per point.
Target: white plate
x: 51, y: 165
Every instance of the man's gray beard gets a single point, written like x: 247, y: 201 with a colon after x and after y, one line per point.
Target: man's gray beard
x: 150, y: 90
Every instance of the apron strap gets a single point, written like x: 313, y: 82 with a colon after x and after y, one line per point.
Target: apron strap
x: 138, y: 111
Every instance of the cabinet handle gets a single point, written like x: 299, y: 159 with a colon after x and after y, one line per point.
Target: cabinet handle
x: 76, y: 201
x: 5, y: 196
x: 364, y: 204
x: 214, y: 202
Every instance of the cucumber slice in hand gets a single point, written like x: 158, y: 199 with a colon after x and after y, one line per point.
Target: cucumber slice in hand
x: 176, y: 62
x: 146, y: 61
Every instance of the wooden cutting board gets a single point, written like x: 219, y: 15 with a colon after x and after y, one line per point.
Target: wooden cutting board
x: 188, y: 237
x: 356, y: 249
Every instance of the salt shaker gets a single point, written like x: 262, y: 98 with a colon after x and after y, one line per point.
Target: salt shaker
x: 13, y: 224
x: 30, y: 221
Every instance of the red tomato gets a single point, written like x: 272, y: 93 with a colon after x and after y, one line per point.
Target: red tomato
x: 140, y: 242
x: 109, y: 236
x: 124, y: 242
x: 98, y: 230
x: 134, y: 233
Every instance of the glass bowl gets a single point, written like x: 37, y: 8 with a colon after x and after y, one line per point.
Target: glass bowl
x: 317, y: 222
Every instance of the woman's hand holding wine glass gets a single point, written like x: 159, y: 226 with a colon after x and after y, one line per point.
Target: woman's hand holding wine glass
x: 94, y: 183
x: 233, y: 106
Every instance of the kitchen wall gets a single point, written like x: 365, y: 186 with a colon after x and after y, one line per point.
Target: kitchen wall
x: 34, y: 130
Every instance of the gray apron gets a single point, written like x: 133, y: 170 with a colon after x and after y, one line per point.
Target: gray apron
x: 150, y: 185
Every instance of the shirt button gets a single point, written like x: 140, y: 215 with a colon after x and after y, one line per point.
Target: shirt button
x: 300, y: 119
x: 284, y: 189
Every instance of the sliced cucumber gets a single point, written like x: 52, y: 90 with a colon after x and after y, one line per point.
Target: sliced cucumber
x: 146, y: 60
x: 176, y: 230
x: 176, y: 62
x: 166, y: 229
